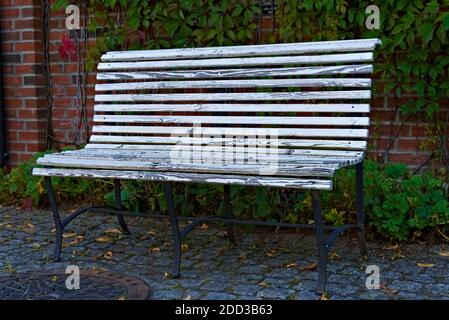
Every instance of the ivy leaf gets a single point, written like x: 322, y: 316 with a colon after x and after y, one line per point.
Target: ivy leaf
x: 134, y: 22
x: 171, y: 27
x: 426, y: 31
x: 445, y: 21
x: 419, y: 87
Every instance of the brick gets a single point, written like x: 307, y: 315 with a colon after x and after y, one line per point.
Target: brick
x: 12, y: 58
x: 409, y: 158
x: 33, y: 81
x: 27, y: 24
x: 28, y: 46
x: 34, y: 147
x: 409, y: 144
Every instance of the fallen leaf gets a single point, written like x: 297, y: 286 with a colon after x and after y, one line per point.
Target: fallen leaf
x: 54, y: 279
x: 204, y: 227
x: 391, y: 247
x: 425, y: 265
x: 444, y: 253
x: 397, y: 256
x: 69, y: 235
x: 113, y: 231
x: 264, y: 284
x: 103, y: 239
x: 184, y: 247
x: 334, y: 256
x: 155, y: 249
x: 108, y: 255
x: 74, y: 242
x: 9, y: 268
x: 388, y: 290
x: 147, y: 235
x: 291, y: 265
x: 310, y: 267
x: 324, y: 296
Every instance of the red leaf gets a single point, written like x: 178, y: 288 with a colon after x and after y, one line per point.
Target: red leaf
x: 67, y: 49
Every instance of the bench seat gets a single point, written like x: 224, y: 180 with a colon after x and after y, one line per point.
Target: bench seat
x: 156, y: 162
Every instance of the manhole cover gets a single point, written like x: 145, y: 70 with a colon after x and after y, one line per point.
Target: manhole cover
x: 51, y: 285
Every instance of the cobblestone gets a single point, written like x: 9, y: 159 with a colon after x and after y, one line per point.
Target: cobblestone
x: 259, y: 266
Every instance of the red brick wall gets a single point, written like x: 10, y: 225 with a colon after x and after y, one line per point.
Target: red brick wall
x: 23, y: 79
x: 21, y: 22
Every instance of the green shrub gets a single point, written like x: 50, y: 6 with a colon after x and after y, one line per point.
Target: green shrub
x: 20, y: 187
x: 397, y: 203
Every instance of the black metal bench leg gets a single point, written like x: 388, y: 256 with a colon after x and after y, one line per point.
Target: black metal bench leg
x: 361, y: 235
x: 228, y: 212
x: 56, y: 217
x: 175, y: 230
x: 118, y: 205
x: 321, y: 242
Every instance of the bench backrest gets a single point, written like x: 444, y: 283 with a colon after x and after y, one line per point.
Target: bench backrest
x: 315, y: 94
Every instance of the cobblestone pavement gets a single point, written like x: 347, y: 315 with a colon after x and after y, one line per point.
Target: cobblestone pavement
x: 260, y: 266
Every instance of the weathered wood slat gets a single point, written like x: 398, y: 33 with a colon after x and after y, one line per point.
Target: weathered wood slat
x: 233, y: 120
x: 103, y: 140
x: 237, y: 73
x: 253, y: 96
x: 251, y: 50
x: 292, y: 170
x: 280, y: 165
x: 150, y: 149
x: 186, y: 156
x: 234, y: 62
x: 257, y: 83
x: 235, y: 132
x: 318, y: 184
x: 341, y: 108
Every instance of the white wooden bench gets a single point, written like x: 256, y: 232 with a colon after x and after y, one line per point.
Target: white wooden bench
x: 170, y: 115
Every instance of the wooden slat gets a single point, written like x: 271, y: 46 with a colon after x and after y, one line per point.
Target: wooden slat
x: 233, y: 62
x: 257, y: 83
x: 231, y: 132
x: 186, y: 156
x: 132, y: 147
x: 149, y: 150
x: 251, y: 50
x: 237, y: 73
x: 235, y: 120
x: 307, y: 169
x: 318, y: 184
x: 255, y: 141
x: 255, y: 96
x: 341, y: 108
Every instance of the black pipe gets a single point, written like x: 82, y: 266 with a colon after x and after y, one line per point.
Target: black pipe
x: 2, y: 112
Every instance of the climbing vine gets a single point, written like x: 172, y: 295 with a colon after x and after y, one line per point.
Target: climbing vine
x: 412, y: 64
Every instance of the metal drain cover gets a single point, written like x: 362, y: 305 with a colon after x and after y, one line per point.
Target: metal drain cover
x: 51, y: 285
